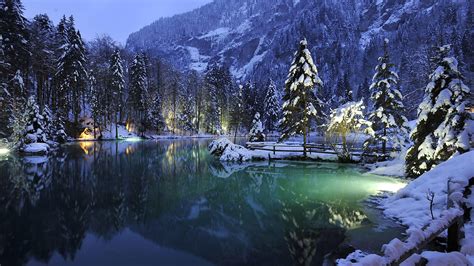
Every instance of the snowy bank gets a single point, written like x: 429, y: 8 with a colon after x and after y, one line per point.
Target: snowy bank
x: 36, y: 148
x: 411, y: 207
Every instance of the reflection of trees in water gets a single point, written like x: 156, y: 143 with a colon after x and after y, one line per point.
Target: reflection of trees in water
x: 301, y: 233
x: 74, y: 202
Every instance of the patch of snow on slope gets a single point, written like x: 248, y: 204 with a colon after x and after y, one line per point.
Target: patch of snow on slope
x: 198, y: 61
x: 245, y: 26
x: 218, y: 34
x: 242, y: 72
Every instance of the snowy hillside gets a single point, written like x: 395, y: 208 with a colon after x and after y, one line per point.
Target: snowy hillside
x: 256, y: 38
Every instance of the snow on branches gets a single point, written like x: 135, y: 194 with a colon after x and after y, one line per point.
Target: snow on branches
x: 444, y: 128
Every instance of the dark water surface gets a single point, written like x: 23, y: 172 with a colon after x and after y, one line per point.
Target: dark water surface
x: 170, y: 203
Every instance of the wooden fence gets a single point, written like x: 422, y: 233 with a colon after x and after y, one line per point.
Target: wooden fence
x: 312, y: 148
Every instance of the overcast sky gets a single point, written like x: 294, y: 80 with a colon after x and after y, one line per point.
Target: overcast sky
x: 117, y: 18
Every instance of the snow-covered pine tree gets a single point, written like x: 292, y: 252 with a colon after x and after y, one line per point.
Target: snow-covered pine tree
x: 60, y: 135
x: 117, y: 83
x: 138, y: 87
x: 213, y: 122
x: 155, y: 118
x: 344, y: 90
x: 42, y: 58
x: 256, y: 132
x: 386, y: 116
x: 249, y: 96
x: 272, y: 107
x: 363, y: 93
x: 48, y: 123
x: 237, y: 110
x: 444, y: 128
x: 298, y: 107
x: 14, y: 35
x: 186, y: 118
x: 95, y: 96
x: 34, y: 131
x: 71, y: 74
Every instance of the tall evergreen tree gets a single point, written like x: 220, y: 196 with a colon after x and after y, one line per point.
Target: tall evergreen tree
x: 138, y: 87
x: 249, y: 98
x: 42, y: 57
x: 118, y: 86
x: 155, y: 118
x: 344, y: 90
x: 213, y: 122
x: 71, y: 74
x: 386, y: 117
x: 272, y: 107
x: 15, y: 37
x: 298, y: 107
x: 237, y: 112
x: 96, y: 108
x: 442, y: 129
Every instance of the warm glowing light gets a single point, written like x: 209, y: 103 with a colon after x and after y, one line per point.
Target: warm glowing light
x: 86, y: 134
x: 4, y: 151
x: 86, y: 147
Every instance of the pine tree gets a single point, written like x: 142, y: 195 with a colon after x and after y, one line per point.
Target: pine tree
x: 298, y: 108
x: 386, y: 117
x: 442, y: 126
x: 138, y: 86
x: 256, y: 132
x: 344, y: 90
x: 14, y: 35
x: 213, y: 122
x: 48, y: 123
x: 95, y: 95
x: 154, y: 115
x: 363, y: 93
x: 34, y: 127
x: 71, y: 74
x: 249, y: 97
x: 186, y: 119
x: 272, y: 107
x: 237, y: 110
x: 117, y: 86
x: 60, y: 130
x: 42, y: 58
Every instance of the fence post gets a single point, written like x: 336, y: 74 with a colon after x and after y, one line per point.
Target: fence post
x: 454, y: 231
x: 274, y: 152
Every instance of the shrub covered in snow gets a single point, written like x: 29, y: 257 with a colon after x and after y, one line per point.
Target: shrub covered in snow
x: 217, y: 147
x: 344, y: 122
x: 228, y: 151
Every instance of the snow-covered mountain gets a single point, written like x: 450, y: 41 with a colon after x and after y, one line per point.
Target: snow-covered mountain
x: 256, y: 38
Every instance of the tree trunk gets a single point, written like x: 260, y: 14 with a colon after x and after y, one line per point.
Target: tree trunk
x: 116, y: 127
x: 304, y: 141
x: 384, y: 142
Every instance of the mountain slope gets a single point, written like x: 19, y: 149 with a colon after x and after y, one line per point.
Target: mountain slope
x: 256, y: 38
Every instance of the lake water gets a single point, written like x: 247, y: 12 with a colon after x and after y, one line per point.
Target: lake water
x: 171, y: 203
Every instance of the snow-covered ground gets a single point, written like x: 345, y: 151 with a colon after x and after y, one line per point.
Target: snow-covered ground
x: 411, y: 207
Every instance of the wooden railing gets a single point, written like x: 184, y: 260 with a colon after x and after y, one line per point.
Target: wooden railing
x: 312, y: 148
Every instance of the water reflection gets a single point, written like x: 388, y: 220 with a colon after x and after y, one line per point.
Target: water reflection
x: 176, y: 196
